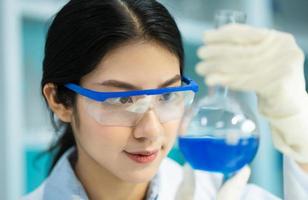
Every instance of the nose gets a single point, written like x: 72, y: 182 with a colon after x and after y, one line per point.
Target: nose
x: 149, y: 127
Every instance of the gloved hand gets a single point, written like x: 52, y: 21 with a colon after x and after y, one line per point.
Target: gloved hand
x: 232, y: 189
x: 269, y: 63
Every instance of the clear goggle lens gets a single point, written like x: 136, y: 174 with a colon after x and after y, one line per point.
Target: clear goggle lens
x: 128, y: 111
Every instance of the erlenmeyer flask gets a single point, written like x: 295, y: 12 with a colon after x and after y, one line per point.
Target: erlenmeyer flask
x: 219, y: 134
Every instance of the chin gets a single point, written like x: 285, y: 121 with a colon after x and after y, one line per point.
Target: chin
x: 140, y: 177
x: 140, y: 174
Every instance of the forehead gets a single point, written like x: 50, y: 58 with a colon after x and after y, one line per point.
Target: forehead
x: 140, y: 63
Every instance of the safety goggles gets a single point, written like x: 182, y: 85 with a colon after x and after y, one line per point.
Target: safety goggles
x: 128, y: 107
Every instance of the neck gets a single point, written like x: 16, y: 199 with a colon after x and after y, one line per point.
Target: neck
x: 100, y: 184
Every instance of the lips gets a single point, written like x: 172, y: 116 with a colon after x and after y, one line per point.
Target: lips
x: 142, y: 157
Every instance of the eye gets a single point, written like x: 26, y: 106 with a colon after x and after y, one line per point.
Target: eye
x: 120, y: 100
x: 125, y: 100
x: 167, y: 97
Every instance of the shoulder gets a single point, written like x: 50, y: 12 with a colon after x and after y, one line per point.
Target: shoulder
x: 61, y: 184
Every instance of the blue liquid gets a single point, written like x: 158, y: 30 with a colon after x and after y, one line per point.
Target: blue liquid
x: 213, y: 154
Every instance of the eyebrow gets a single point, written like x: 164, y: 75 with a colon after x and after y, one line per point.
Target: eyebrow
x: 128, y: 86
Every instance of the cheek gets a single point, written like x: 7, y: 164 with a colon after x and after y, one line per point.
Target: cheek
x: 171, y: 130
x: 94, y: 137
x: 103, y: 138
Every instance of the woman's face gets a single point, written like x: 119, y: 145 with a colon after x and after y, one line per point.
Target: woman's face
x: 143, y: 65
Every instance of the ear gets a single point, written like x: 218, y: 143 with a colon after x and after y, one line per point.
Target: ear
x: 63, y: 112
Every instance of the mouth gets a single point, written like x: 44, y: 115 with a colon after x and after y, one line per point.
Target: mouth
x: 142, y: 157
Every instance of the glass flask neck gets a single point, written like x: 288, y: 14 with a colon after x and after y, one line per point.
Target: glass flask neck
x: 223, y: 17
x: 218, y: 91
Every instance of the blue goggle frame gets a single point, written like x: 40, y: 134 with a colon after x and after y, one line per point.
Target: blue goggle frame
x: 102, y: 96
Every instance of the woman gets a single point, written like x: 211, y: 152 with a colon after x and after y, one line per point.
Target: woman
x: 113, y: 80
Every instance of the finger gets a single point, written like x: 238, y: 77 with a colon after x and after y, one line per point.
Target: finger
x: 243, y: 81
x: 209, y: 68
x: 233, y: 81
x: 235, y: 33
x: 216, y: 79
x: 228, y: 66
x: 234, y: 187
x: 235, y: 51
x: 200, y: 68
x: 224, y: 50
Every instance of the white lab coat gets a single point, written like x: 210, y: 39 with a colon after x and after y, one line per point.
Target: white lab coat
x: 62, y: 184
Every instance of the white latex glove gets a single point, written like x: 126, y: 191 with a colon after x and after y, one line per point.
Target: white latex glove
x: 232, y: 189
x: 269, y: 63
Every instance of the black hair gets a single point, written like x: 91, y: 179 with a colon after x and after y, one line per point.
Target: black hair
x: 84, y: 31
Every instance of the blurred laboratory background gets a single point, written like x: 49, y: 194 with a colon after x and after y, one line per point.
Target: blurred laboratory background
x: 25, y: 129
